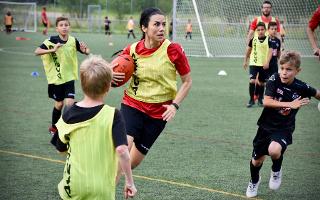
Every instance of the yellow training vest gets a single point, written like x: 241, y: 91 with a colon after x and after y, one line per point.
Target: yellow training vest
x: 91, y: 163
x: 62, y: 65
x: 260, y: 20
x: 259, y: 52
x: 154, y: 80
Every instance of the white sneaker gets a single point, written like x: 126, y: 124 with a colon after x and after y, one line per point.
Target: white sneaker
x: 275, y: 180
x: 252, y: 189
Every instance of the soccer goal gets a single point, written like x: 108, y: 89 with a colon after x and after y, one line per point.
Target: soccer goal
x: 94, y: 18
x: 24, y: 15
x: 220, y: 27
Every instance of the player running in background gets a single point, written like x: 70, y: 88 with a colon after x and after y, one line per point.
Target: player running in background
x: 45, y: 20
x: 130, y: 27
x: 59, y: 57
x: 8, y: 22
x: 284, y: 96
x: 189, y: 29
x: 257, y: 51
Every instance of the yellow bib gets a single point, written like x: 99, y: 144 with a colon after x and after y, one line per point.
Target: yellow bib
x: 259, y: 52
x: 62, y: 65
x: 91, y: 164
x: 154, y: 80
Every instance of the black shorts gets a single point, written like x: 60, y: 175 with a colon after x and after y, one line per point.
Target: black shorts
x: 254, y: 70
x: 263, y: 139
x: 45, y: 24
x: 60, y: 92
x: 273, y: 68
x: 143, y: 128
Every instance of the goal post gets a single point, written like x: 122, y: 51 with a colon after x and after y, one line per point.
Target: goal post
x: 220, y: 27
x: 94, y: 18
x: 24, y: 15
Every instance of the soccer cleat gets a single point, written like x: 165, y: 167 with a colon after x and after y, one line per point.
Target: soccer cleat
x: 252, y: 189
x: 275, y: 180
x: 250, y: 104
x: 260, y: 103
x: 52, y: 130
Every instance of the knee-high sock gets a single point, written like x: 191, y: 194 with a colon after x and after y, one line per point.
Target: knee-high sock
x: 276, y: 166
x: 56, y: 114
x: 251, y: 90
x: 254, y: 172
x: 261, y: 91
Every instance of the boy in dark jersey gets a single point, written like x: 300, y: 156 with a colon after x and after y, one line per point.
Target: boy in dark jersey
x: 59, y: 57
x: 283, y: 97
x: 271, y: 66
x: 94, y: 136
x: 257, y: 53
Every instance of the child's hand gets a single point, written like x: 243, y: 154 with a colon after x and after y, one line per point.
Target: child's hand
x: 57, y: 46
x: 129, y: 191
x: 245, y: 65
x: 83, y: 48
x: 297, y: 103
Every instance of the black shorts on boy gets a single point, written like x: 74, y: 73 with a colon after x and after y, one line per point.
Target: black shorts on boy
x: 60, y: 92
x: 143, y: 128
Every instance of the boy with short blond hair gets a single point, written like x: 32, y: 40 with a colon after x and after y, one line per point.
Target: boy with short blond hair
x: 59, y: 57
x: 95, y: 138
x: 283, y: 97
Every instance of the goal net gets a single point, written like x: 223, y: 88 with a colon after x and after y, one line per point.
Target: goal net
x: 220, y: 27
x: 94, y: 18
x: 24, y: 15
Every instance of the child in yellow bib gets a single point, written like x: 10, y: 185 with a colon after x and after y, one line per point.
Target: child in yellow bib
x: 95, y: 139
x: 59, y: 57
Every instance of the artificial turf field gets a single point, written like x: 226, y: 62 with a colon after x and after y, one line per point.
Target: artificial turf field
x: 202, y: 154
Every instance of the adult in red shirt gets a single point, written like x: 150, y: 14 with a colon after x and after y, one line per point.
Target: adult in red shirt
x: 45, y: 20
x: 152, y: 98
x: 313, y: 24
x: 265, y: 18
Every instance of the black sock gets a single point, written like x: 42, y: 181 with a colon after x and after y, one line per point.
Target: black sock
x: 261, y: 92
x: 276, y: 166
x: 251, y: 90
x: 254, y: 172
x: 56, y: 114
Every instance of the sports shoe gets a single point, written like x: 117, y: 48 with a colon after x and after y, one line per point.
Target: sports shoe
x: 52, y: 130
x: 275, y: 180
x: 260, y: 103
x: 250, y: 104
x: 252, y: 189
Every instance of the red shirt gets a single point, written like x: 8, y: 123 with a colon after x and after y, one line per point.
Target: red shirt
x: 44, y: 17
x: 267, y: 20
x: 315, y: 20
x: 177, y: 57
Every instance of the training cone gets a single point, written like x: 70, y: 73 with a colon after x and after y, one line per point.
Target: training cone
x: 222, y: 73
x: 35, y: 74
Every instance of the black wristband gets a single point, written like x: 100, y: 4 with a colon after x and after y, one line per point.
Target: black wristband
x: 175, y: 105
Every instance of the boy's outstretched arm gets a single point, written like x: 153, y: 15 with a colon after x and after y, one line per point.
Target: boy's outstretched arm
x: 268, y: 101
x: 84, y: 48
x: 125, y: 164
x: 40, y: 51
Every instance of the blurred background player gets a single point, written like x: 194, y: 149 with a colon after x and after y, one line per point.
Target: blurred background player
x: 59, y: 57
x: 284, y: 96
x: 8, y: 22
x: 266, y: 18
x: 158, y: 61
x: 107, y: 23
x: 282, y: 34
x: 257, y: 51
x: 189, y: 29
x: 271, y: 66
x: 170, y: 30
x: 45, y: 20
x: 130, y: 27
x: 313, y: 24
x: 100, y: 132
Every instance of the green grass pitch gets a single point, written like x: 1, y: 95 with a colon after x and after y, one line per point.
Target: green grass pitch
x: 203, y: 153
